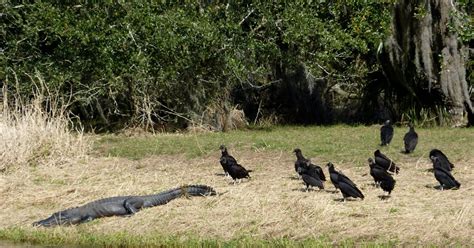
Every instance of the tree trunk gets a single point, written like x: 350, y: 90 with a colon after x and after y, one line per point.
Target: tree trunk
x: 424, y: 61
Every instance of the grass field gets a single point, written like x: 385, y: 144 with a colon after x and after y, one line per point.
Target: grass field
x: 271, y: 209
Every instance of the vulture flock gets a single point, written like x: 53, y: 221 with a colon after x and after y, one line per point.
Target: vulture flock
x: 381, y: 168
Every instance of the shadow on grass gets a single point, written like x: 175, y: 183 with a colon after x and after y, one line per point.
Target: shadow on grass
x: 345, y: 200
x: 237, y: 182
x: 439, y: 187
x: 372, y: 184
x: 310, y: 189
x: 384, y: 197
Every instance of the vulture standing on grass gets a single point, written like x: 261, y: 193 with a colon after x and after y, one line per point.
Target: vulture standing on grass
x: 444, y: 177
x: 333, y: 175
x: 376, y: 171
x: 303, y: 165
x: 385, y: 162
x: 347, y: 187
x: 301, y: 161
x: 226, y: 159
x: 388, y: 183
x: 386, y: 133
x: 231, y: 167
x: 410, y: 139
x: 312, y: 175
x: 381, y: 177
x: 237, y: 171
x: 311, y: 179
x: 443, y: 159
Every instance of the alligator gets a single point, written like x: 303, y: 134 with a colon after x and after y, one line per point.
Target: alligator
x: 120, y: 206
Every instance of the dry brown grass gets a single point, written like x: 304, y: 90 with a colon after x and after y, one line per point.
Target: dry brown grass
x: 29, y: 136
x: 219, y: 116
x: 37, y: 131
x: 270, y: 205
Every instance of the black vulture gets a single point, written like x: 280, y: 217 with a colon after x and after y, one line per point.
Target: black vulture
x: 226, y: 159
x: 376, y: 171
x: 410, y: 139
x: 312, y: 175
x: 301, y: 161
x: 312, y: 180
x: 444, y: 177
x: 237, y: 171
x: 347, y: 187
x: 333, y: 175
x: 312, y: 170
x: 386, y: 133
x: 303, y: 165
x: 388, y: 183
x: 443, y: 159
x: 231, y: 167
x: 385, y: 162
x: 381, y: 177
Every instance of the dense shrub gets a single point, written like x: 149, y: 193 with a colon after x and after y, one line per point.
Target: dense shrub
x: 153, y: 64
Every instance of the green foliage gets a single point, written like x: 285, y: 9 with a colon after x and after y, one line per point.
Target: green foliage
x: 147, y: 63
x: 420, y: 12
x: 118, y: 60
x: 462, y: 23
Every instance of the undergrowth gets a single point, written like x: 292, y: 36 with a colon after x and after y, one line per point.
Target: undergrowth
x: 439, y: 116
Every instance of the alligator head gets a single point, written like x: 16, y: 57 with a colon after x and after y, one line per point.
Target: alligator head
x: 60, y: 218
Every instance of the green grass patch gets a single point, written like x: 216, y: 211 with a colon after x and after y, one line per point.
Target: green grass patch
x: 80, y: 237
x: 331, y: 143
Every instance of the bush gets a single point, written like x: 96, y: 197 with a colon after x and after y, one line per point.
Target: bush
x: 153, y: 64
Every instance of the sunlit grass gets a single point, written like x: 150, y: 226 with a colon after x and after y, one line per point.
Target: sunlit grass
x: 336, y: 143
x: 269, y: 210
x: 84, y: 238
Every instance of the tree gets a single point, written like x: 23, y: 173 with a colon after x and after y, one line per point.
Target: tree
x: 423, y: 59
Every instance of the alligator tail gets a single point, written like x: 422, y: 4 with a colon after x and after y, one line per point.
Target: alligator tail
x: 198, y: 190
x: 166, y: 196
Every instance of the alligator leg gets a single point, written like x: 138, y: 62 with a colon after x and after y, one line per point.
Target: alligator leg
x: 87, y: 219
x: 133, y: 205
